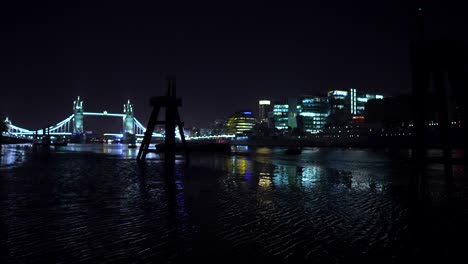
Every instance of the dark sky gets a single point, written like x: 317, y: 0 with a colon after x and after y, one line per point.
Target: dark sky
x: 225, y: 54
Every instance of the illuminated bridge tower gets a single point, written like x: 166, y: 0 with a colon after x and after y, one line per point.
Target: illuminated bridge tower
x: 128, y: 124
x: 7, y: 124
x: 78, y: 116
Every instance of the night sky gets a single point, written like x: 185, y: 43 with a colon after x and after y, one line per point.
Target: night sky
x: 226, y: 55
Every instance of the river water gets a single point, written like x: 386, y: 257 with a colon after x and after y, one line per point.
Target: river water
x: 95, y: 204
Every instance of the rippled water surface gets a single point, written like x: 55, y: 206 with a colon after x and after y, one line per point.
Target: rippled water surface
x: 94, y: 203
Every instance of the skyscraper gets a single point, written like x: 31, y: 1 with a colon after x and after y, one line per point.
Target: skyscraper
x: 280, y: 115
x: 264, y: 108
x: 292, y: 112
x: 314, y: 111
x: 349, y: 102
x: 337, y: 100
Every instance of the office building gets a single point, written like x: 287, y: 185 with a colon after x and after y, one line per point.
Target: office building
x: 264, y: 107
x: 280, y: 115
x: 361, y: 102
x: 349, y: 102
x: 314, y: 112
x: 337, y: 100
x: 292, y: 112
x: 240, y: 122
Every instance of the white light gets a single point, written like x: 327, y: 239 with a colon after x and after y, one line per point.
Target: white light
x: 338, y: 92
x: 307, y: 114
x: 264, y: 102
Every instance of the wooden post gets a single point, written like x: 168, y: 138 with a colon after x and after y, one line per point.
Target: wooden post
x: 172, y: 119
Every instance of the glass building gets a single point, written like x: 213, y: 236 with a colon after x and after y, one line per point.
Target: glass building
x: 361, y: 102
x: 311, y: 113
x: 349, y: 101
x: 314, y: 112
x: 337, y: 100
x: 264, y: 108
x: 293, y: 108
x: 240, y: 122
x: 280, y: 115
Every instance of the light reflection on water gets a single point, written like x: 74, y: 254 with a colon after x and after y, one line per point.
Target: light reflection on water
x: 13, y: 155
x: 121, y: 150
x: 269, y: 167
x: 94, y: 202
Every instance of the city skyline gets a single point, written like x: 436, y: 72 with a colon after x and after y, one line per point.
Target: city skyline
x: 101, y: 123
x: 225, y: 58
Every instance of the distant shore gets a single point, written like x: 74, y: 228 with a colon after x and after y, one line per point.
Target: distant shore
x: 357, y: 142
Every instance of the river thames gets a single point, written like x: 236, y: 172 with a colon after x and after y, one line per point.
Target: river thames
x: 96, y: 204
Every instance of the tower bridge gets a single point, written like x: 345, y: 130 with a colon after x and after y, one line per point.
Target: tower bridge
x: 74, y: 124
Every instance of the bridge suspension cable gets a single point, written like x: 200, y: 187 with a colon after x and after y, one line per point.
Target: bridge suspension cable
x: 65, y: 127
x: 140, y: 129
x: 105, y: 113
x: 61, y: 128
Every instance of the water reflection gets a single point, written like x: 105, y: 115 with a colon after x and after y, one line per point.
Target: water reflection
x: 13, y: 155
x: 326, y: 204
x: 240, y: 149
x: 121, y: 150
x: 267, y: 168
x: 265, y: 180
x: 310, y: 175
x: 85, y: 205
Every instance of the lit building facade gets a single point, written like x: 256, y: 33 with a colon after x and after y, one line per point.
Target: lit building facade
x: 310, y: 114
x: 337, y: 100
x: 314, y: 112
x: 292, y: 112
x: 352, y: 101
x: 240, y: 122
x: 129, y: 122
x: 361, y: 102
x: 264, y: 107
x: 349, y: 101
x: 280, y: 115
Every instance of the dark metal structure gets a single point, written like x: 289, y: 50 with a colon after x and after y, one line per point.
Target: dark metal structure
x: 172, y: 119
